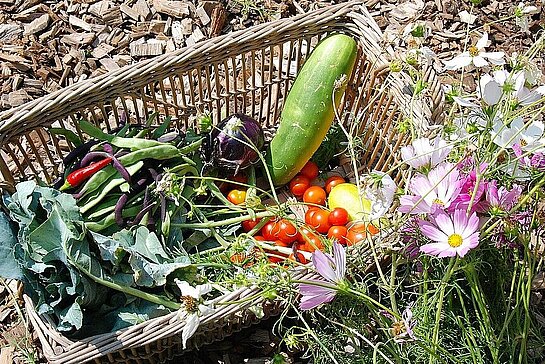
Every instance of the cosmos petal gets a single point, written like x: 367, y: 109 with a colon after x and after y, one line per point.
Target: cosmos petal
x: 322, y: 263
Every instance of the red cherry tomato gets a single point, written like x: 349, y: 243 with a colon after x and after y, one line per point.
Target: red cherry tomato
x: 279, y: 242
x: 358, y: 232
x: 237, y: 196
x: 309, y: 241
x: 338, y: 216
x: 248, y: 225
x: 310, y: 170
x: 315, y: 195
x: 270, y: 231
x: 310, y: 212
x: 320, y: 221
x: 287, y: 233
x: 338, y: 233
x: 259, y: 238
x: 371, y: 229
x: 332, y: 182
x: 298, y: 257
x: 298, y: 185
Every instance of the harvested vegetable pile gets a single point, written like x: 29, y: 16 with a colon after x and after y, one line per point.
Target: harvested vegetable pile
x: 144, y: 214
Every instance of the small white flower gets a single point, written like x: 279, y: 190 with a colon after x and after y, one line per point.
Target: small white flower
x: 476, y: 56
x: 421, y: 153
x: 380, y: 189
x: 192, y: 307
x: 493, y: 87
x: 532, y: 72
x: 517, y: 133
x: 521, y: 15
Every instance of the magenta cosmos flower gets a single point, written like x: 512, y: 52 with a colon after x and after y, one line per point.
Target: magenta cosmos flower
x: 471, y: 195
x: 436, y: 190
x: 452, y: 235
x: 332, y: 269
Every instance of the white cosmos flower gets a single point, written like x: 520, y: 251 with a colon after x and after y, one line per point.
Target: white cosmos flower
x: 380, y: 189
x: 423, y: 154
x: 192, y: 307
x: 475, y: 55
x: 521, y: 15
x: 502, y: 82
x: 518, y: 133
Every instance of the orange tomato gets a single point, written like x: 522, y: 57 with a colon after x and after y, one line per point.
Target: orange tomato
x: 237, y: 197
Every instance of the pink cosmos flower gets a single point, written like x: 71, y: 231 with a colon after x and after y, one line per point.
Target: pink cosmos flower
x: 435, y: 191
x: 500, y: 199
x: 452, y: 235
x: 535, y: 161
x: 332, y: 269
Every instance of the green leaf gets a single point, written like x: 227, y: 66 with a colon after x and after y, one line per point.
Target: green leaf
x: 9, y: 267
x: 68, y: 134
x: 70, y: 318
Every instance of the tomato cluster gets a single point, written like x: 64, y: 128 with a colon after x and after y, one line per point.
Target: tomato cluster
x: 319, y: 223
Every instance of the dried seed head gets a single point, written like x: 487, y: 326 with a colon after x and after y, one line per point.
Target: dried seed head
x: 189, y: 303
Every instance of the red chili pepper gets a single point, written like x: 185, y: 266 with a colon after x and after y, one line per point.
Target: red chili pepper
x: 79, y: 175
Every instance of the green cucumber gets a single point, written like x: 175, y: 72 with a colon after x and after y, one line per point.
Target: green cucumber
x: 309, y: 109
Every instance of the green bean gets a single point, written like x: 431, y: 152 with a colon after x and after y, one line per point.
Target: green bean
x: 183, y: 169
x: 110, y: 219
x: 106, y: 206
x: 120, y: 142
x: 161, y: 152
x: 114, y: 182
x: 191, y: 147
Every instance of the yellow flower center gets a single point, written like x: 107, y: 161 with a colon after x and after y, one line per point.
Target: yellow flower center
x: 190, y: 303
x: 473, y: 51
x: 439, y: 202
x: 523, y: 143
x: 455, y: 240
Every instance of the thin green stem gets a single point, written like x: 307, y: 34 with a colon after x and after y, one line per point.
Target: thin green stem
x: 453, y: 264
x: 233, y: 220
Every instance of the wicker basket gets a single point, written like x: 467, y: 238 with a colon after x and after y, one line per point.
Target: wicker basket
x: 248, y: 71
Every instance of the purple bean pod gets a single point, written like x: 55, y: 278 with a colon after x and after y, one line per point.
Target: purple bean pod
x: 92, y: 156
x: 140, y: 215
x: 79, y: 150
x: 108, y: 148
x: 163, y: 206
x: 120, y: 168
x: 119, y: 209
x: 153, y: 173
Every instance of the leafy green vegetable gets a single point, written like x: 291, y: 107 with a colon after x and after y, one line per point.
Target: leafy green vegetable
x: 9, y: 267
x: 77, y: 276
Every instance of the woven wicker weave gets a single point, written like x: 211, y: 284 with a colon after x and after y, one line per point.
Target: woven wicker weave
x: 248, y: 71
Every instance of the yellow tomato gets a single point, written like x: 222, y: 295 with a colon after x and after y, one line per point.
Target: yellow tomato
x: 347, y: 196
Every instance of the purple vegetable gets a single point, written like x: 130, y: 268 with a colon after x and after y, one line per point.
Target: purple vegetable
x: 91, y: 156
x: 119, y: 209
x: 232, y: 141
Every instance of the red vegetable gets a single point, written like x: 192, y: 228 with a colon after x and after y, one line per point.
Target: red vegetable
x: 78, y: 176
